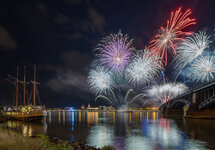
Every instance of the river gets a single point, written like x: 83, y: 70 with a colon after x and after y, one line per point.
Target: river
x: 125, y: 131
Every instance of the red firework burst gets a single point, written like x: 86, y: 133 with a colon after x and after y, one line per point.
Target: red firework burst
x: 167, y: 36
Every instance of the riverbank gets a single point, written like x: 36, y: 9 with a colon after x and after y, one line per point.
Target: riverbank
x: 202, y: 114
x: 10, y: 139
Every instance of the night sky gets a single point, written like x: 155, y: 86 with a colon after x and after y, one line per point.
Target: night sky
x: 59, y: 36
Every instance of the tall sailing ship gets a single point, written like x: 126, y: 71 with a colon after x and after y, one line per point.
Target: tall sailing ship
x: 25, y: 111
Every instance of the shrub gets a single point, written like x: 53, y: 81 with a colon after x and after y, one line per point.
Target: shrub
x: 108, y: 147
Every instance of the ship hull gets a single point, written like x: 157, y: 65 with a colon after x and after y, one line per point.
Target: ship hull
x: 27, y: 116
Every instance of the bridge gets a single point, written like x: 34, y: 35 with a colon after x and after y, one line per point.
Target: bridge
x: 196, y: 103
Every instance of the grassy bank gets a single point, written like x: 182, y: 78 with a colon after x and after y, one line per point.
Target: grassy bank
x: 12, y: 140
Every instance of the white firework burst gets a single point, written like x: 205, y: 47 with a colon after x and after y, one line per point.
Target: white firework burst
x: 143, y: 68
x: 203, y: 68
x: 100, y: 80
x: 191, y: 48
x: 167, y: 92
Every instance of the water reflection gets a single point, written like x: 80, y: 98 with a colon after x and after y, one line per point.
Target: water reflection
x: 138, y: 130
x: 100, y: 136
x: 92, y: 118
x: 28, y: 128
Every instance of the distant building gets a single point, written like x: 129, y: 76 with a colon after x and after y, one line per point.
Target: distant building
x: 82, y: 106
x: 108, y: 108
x: 68, y: 108
x: 88, y: 106
x: 151, y: 108
x: 101, y: 107
x: 93, y: 108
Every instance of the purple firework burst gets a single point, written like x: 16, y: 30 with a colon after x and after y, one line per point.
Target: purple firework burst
x: 115, y: 51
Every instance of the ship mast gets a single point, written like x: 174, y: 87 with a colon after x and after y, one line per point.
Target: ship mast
x: 24, y: 85
x: 17, y: 87
x: 16, y: 82
x: 34, y: 85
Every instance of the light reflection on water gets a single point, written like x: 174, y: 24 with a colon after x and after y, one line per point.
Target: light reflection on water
x: 129, y: 131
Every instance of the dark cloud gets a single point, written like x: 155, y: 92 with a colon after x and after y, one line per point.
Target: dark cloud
x: 90, y: 22
x: 42, y: 7
x: 75, y: 36
x: 93, y: 23
x: 97, y: 20
x: 62, y: 19
x: 75, y: 60
x: 71, y: 77
x: 69, y: 82
x: 73, y: 2
x: 6, y: 41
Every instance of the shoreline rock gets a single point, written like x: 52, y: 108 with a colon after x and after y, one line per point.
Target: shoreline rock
x: 76, y: 145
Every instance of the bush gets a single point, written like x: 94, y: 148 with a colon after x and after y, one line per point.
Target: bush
x: 108, y: 147
x: 47, y: 145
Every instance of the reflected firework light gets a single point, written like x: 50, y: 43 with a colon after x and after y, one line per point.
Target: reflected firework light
x: 115, y: 51
x: 100, y: 136
x: 173, y: 31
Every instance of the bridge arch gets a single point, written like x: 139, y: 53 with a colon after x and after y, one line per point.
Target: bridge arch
x: 175, y: 102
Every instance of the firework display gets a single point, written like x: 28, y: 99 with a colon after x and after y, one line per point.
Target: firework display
x: 191, y: 48
x: 115, y: 50
x: 203, y: 68
x: 167, y: 92
x: 120, y: 101
x: 173, y: 32
x: 121, y: 69
x: 143, y: 68
x: 100, y: 80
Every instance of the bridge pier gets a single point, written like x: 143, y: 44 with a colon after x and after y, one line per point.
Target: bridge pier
x: 203, y: 114
x: 165, y: 110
